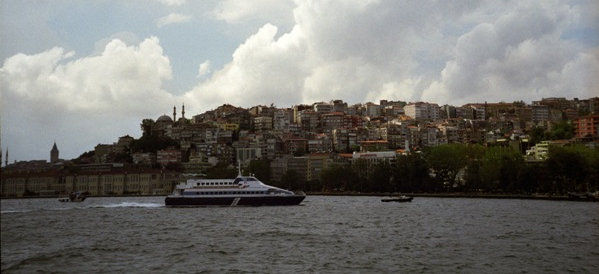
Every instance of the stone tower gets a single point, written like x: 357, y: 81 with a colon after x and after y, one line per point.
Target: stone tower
x: 54, y: 154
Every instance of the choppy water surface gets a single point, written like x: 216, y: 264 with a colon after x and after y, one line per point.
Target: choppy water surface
x: 324, y: 234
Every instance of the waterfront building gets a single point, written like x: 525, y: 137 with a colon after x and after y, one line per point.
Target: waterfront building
x: 368, y: 160
x: 95, y: 179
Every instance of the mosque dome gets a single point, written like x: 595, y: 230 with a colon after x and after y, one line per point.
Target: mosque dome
x: 164, y: 119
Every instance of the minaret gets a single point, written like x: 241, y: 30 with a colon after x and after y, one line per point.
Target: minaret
x: 183, y: 111
x: 54, y: 154
x: 174, y: 114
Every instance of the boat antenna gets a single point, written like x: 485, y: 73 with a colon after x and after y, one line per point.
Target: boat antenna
x: 239, y: 168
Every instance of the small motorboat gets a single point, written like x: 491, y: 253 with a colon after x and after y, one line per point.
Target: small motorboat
x: 73, y: 197
x: 402, y: 198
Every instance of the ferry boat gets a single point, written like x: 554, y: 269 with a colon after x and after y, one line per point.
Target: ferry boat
x: 241, y: 191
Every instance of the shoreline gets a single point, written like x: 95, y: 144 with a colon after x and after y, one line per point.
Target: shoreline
x: 464, y: 195
x: 421, y: 195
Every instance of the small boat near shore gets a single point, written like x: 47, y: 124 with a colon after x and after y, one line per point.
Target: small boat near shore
x: 399, y: 199
x: 73, y: 197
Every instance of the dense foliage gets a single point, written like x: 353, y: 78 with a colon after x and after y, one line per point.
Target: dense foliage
x: 470, y: 168
x: 563, y: 130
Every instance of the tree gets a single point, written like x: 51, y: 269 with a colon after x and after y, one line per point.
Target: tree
x: 410, y: 173
x: 537, y: 134
x: 146, y: 126
x: 568, y: 166
x: 290, y: 180
x: 562, y: 130
x: 221, y: 170
x: 446, y: 161
x: 339, y: 177
x: 500, y: 168
x: 592, y: 157
x: 534, y: 177
x: 261, y: 169
x: 152, y: 143
x: 379, y: 180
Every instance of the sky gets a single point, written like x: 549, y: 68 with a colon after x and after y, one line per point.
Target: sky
x: 80, y: 73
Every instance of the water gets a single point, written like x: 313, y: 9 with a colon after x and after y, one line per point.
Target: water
x: 324, y: 235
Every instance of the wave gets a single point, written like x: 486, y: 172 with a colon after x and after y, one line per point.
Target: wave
x: 14, y: 211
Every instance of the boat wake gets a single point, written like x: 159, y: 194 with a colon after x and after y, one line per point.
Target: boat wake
x: 130, y: 204
x: 85, y: 206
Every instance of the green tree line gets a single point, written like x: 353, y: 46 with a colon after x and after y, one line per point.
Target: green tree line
x: 464, y: 168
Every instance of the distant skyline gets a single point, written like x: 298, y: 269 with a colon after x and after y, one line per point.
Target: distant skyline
x: 82, y: 73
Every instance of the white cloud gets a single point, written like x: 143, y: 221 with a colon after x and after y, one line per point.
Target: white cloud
x: 446, y: 52
x: 519, y: 55
x: 172, y: 2
x: 204, y: 69
x: 278, y: 12
x: 172, y: 18
x: 87, y: 99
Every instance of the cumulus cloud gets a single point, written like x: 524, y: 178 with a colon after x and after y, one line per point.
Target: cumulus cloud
x: 440, y: 51
x: 172, y: 18
x: 51, y: 93
x: 519, y: 55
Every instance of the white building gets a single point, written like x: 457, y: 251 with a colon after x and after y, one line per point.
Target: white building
x: 422, y: 111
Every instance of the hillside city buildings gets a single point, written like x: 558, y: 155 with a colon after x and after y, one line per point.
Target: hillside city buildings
x: 305, y: 139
